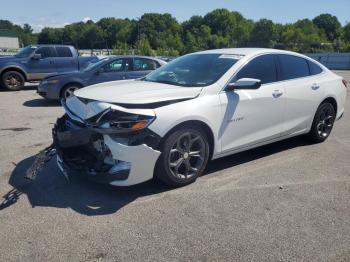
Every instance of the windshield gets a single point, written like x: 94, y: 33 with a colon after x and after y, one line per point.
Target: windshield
x: 25, y: 52
x: 95, y: 64
x: 194, y: 70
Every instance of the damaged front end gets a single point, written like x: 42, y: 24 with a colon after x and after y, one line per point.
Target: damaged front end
x: 105, y: 142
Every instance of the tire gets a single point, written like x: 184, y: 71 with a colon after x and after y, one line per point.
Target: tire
x: 68, y: 90
x: 12, y: 80
x: 181, y: 162
x: 322, y: 124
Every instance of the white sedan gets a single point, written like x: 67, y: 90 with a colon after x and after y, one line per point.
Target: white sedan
x: 198, y: 107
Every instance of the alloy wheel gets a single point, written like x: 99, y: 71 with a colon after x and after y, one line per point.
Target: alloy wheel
x: 187, y: 156
x: 69, y: 91
x: 13, y: 81
x: 326, y: 121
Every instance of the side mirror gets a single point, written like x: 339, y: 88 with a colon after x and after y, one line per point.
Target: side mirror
x: 99, y: 71
x: 244, y: 83
x: 36, y: 56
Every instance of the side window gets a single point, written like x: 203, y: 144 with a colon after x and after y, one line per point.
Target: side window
x: 293, y: 67
x: 262, y: 68
x: 142, y: 64
x: 114, y: 66
x: 314, y: 69
x: 44, y: 51
x: 63, y: 51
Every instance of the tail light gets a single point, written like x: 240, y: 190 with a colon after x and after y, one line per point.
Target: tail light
x: 345, y: 83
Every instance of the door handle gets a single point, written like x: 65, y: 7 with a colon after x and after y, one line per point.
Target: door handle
x: 277, y: 93
x: 315, y: 86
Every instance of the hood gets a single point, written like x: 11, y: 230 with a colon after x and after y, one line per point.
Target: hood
x: 136, y: 92
x: 5, y: 59
x: 66, y: 74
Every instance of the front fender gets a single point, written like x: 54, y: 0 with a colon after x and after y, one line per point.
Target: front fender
x: 205, y: 109
x: 15, y: 67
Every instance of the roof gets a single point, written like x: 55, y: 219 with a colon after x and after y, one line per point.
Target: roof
x: 7, y: 33
x: 245, y: 51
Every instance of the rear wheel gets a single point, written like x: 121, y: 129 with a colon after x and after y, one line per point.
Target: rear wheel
x: 68, y: 90
x: 12, y: 80
x: 323, y: 123
x: 185, y: 154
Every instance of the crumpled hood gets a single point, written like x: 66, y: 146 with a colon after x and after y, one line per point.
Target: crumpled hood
x: 136, y: 92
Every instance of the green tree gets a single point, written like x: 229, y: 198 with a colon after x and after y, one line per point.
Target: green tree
x: 263, y: 34
x: 302, y: 36
x: 161, y: 30
x: 329, y: 24
x: 346, y: 32
x: 144, y: 47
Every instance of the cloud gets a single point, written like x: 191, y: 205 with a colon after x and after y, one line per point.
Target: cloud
x: 87, y: 19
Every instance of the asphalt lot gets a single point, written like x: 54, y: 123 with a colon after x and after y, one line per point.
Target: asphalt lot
x: 289, y: 201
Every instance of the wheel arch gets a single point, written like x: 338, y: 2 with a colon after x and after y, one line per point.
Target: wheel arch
x: 14, y: 68
x: 332, y: 101
x: 76, y: 83
x: 195, y: 124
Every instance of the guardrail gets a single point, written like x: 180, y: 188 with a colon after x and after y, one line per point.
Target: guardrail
x: 334, y: 61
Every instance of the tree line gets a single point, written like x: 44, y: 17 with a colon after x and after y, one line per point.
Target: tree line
x: 162, y: 34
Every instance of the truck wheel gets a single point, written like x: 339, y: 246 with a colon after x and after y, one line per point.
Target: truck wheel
x: 185, y: 154
x: 323, y: 123
x: 68, y: 90
x: 12, y: 80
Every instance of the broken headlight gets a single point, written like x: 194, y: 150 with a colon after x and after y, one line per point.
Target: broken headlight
x: 125, y: 122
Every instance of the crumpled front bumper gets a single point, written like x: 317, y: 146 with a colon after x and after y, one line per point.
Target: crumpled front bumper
x: 76, y: 152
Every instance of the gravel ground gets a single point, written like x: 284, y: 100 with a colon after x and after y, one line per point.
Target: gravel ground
x: 288, y: 201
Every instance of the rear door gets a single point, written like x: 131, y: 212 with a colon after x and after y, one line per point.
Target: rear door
x: 253, y: 116
x: 39, y: 68
x: 303, y: 92
x: 141, y: 67
x: 65, y: 60
x: 112, y: 71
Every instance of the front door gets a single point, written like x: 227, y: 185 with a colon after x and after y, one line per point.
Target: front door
x: 39, y: 68
x: 112, y: 71
x: 253, y: 116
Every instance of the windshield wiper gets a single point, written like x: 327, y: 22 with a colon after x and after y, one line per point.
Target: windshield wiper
x: 162, y: 82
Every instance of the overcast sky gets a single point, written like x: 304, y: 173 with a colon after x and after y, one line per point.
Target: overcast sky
x: 57, y: 13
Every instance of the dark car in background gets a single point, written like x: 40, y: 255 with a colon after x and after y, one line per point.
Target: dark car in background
x: 111, y: 68
x: 35, y: 62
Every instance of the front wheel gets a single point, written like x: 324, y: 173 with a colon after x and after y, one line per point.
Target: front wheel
x: 12, y: 80
x: 323, y: 122
x: 68, y: 90
x: 185, y: 154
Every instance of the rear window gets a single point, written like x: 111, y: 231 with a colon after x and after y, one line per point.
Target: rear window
x: 314, y: 69
x: 293, y: 67
x: 63, y: 51
x: 262, y: 68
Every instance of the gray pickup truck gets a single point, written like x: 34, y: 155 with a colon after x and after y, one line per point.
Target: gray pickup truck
x: 35, y: 62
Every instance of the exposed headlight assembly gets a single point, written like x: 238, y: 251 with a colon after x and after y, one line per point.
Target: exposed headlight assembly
x: 124, y: 122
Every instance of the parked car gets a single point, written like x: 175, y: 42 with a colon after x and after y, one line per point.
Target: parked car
x: 114, y: 68
x: 198, y: 107
x: 35, y: 62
